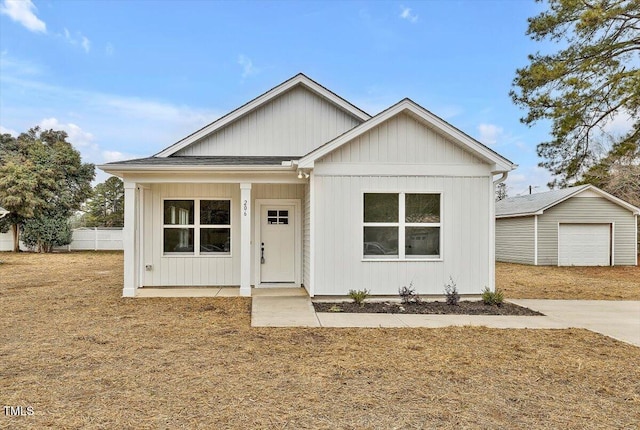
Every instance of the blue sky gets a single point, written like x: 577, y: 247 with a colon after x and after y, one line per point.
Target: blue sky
x: 128, y: 78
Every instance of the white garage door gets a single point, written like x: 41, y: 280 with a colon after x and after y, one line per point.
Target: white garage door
x: 584, y: 245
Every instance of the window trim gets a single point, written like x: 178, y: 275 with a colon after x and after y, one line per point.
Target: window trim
x: 196, y: 226
x: 401, y: 225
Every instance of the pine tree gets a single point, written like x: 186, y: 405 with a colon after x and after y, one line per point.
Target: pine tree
x: 582, y: 87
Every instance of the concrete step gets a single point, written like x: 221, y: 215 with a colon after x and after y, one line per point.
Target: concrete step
x: 283, y: 311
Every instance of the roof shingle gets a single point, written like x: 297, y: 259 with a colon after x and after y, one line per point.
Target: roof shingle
x: 206, y: 161
x: 531, y: 203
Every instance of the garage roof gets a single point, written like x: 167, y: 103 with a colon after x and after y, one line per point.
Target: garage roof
x: 536, y: 204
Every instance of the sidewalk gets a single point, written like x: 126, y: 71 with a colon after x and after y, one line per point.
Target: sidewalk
x: 282, y: 307
x: 435, y: 321
x: 617, y: 319
x: 287, y: 307
x: 291, y: 307
x: 284, y: 310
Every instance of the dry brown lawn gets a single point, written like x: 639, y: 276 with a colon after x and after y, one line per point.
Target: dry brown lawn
x: 519, y: 281
x: 83, y: 357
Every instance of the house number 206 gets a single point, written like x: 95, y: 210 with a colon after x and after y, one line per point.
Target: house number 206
x: 244, y: 208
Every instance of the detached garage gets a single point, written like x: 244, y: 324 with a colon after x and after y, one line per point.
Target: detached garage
x: 577, y: 226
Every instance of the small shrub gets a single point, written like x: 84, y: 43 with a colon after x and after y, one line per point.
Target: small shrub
x: 359, y: 296
x: 492, y: 297
x: 498, y: 297
x: 408, y: 294
x: 44, y: 232
x: 451, y: 291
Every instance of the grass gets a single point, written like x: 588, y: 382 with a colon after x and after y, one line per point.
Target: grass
x: 519, y: 281
x: 83, y: 357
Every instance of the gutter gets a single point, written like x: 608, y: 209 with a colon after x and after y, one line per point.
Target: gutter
x: 173, y: 168
x: 520, y: 214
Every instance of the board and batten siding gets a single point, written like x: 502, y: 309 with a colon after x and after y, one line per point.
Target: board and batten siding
x: 172, y: 270
x: 294, y: 123
x: 188, y: 270
x: 402, y: 139
x: 515, y: 240
x: 339, y: 263
x: 386, y: 152
x: 587, y: 210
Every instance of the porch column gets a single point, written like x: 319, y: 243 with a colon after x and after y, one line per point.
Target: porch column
x: 140, y: 237
x: 129, y: 240
x: 245, y: 239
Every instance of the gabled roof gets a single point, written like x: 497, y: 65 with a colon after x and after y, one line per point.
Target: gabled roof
x: 536, y: 204
x: 500, y: 164
x: 299, y: 79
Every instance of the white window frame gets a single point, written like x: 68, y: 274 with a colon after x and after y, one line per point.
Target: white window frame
x: 401, y: 226
x: 196, y: 226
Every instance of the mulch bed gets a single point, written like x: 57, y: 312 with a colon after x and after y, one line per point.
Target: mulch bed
x: 438, y: 308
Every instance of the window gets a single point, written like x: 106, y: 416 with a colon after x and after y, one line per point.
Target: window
x: 197, y: 225
x: 178, y: 225
x: 278, y: 217
x: 401, y: 225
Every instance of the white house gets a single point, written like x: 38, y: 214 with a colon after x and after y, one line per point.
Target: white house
x: 576, y: 226
x: 301, y: 187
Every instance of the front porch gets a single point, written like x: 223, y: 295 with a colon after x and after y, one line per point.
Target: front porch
x: 173, y: 237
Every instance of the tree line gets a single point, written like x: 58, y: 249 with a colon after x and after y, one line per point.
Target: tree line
x: 44, y: 183
x: 582, y: 88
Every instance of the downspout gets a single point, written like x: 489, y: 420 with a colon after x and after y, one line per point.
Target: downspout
x: 492, y: 232
x: 501, y: 178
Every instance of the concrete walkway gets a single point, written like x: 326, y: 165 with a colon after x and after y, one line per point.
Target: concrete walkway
x: 293, y: 308
x: 188, y: 292
x: 282, y: 307
x: 617, y: 319
x: 435, y: 321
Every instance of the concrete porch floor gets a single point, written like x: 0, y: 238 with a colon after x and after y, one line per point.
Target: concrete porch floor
x: 218, y: 292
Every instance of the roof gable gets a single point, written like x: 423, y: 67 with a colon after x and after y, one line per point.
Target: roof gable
x: 407, y: 106
x: 298, y: 80
x: 402, y: 139
x: 536, y: 204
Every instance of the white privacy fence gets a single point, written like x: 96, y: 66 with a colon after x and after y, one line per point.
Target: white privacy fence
x: 6, y: 242
x: 83, y: 239
x: 95, y: 239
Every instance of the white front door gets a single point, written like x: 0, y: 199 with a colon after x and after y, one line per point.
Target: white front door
x: 277, y: 244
